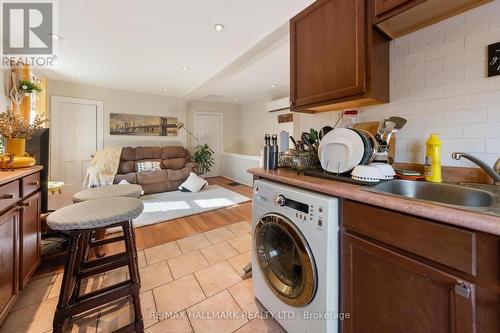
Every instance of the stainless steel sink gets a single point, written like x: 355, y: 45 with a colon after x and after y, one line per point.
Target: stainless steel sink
x: 462, y: 197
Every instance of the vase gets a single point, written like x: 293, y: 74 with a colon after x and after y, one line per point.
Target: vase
x: 16, y: 147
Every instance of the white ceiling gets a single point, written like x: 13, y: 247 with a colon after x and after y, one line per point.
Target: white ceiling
x: 143, y: 45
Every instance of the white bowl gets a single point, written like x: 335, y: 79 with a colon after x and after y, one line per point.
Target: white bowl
x: 367, y: 173
x: 386, y: 169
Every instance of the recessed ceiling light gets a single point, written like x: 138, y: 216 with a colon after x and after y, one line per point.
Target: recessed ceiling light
x: 236, y: 100
x: 165, y: 89
x: 274, y: 85
x: 79, y: 74
x: 55, y: 36
x: 185, y: 68
x: 219, y: 27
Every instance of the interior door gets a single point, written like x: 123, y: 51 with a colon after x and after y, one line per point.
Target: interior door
x: 76, y: 133
x: 209, y: 129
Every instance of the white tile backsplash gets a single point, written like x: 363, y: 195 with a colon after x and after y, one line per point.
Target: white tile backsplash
x: 444, y: 50
x: 438, y: 76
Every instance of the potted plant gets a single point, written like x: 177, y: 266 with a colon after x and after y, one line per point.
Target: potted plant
x: 203, y: 156
x: 15, y: 130
x: 28, y: 87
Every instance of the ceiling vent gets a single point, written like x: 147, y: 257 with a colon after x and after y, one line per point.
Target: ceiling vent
x: 282, y: 104
x: 214, y: 97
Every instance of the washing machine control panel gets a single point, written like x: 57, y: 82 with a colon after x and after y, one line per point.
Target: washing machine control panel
x: 304, y: 212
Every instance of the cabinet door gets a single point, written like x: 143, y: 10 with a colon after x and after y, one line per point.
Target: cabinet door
x: 386, y: 292
x: 29, y: 230
x: 382, y: 7
x: 328, y: 51
x: 8, y: 260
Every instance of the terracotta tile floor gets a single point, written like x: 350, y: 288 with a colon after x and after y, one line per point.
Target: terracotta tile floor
x: 189, y: 285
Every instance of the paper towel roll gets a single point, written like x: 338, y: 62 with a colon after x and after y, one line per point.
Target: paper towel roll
x: 284, y: 139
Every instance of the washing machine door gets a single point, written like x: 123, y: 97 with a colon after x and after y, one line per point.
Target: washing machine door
x: 285, y: 260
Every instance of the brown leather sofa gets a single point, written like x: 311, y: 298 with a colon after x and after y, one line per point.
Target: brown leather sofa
x: 175, y: 164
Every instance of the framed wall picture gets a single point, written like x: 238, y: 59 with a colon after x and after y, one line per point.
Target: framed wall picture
x: 140, y: 125
x: 494, y: 59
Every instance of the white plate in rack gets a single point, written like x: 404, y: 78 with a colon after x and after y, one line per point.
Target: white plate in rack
x: 340, y: 150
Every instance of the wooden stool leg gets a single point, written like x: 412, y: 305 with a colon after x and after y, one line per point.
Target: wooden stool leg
x: 135, y: 252
x: 99, y: 250
x: 82, y: 255
x: 134, y: 275
x: 68, y: 283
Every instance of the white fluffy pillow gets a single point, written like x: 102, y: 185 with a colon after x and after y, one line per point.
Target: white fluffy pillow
x: 194, y: 183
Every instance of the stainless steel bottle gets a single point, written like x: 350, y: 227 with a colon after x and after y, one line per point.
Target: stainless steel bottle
x: 267, y: 152
x: 274, y: 151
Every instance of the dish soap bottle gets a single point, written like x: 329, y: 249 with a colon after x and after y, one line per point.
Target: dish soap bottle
x: 433, y: 159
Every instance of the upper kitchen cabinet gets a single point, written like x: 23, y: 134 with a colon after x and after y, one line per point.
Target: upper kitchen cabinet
x: 399, y: 17
x: 337, y: 59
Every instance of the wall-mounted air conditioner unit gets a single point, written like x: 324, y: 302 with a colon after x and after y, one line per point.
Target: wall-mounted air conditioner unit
x: 278, y: 105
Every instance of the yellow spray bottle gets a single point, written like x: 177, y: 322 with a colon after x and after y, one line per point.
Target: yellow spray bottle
x: 433, y: 159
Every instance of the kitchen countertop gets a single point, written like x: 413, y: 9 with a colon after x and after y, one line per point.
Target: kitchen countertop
x: 8, y: 176
x: 471, y: 220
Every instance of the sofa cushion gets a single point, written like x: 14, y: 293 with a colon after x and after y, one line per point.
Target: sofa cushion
x: 151, y: 177
x: 181, y: 174
x: 142, y: 153
x: 126, y: 167
x: 128, y: 154
x: 131, y: 178
x: 174, y: 163
x: 174, y: 152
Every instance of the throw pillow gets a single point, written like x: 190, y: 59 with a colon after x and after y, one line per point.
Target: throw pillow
x: 193, y: 183
x: 148, y: 166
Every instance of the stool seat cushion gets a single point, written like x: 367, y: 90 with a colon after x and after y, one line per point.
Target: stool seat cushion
x: 109, y: 191
x: 95, y: 214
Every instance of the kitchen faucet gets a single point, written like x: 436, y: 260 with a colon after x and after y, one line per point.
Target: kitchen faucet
x: 492, y: 172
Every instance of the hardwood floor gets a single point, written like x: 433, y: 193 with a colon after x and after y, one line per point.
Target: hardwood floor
x: 172, y: 230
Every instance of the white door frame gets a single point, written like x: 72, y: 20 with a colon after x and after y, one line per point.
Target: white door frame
x: 221, y: 137
x: 54, y: 124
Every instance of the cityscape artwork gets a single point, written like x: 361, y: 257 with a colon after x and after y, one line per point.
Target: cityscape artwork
x: 130, y: 124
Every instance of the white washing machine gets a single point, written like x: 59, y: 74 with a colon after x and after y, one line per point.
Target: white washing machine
x: 295, y: 256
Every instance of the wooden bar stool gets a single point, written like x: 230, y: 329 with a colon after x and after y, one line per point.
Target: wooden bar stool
x: 79, y: 221
x: 108, y: 191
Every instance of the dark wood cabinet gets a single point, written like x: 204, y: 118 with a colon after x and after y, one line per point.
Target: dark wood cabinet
x: 399, y: 17
x: 388, y: 292
x: 29, y: 231
x: 20, y: 233
x: 9, y: 237
x: 383, y: 9
x: 337, y: 59
x: 402, y: 273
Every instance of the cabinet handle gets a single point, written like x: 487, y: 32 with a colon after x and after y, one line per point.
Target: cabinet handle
x: 8, y: 196
x: 35, y: 183
x: 463, y: 289
x: 25, y: 204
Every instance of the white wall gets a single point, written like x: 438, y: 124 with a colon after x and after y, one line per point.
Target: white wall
x: 257, y: 122
x: 120, y: 101
x: 231, y: 114
x: 439, y: 83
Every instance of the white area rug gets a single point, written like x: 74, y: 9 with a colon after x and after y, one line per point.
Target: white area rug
x: 161, y: 207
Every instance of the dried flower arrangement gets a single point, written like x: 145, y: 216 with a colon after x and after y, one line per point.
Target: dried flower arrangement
x: 29, y: 87
x: 14, y: 126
